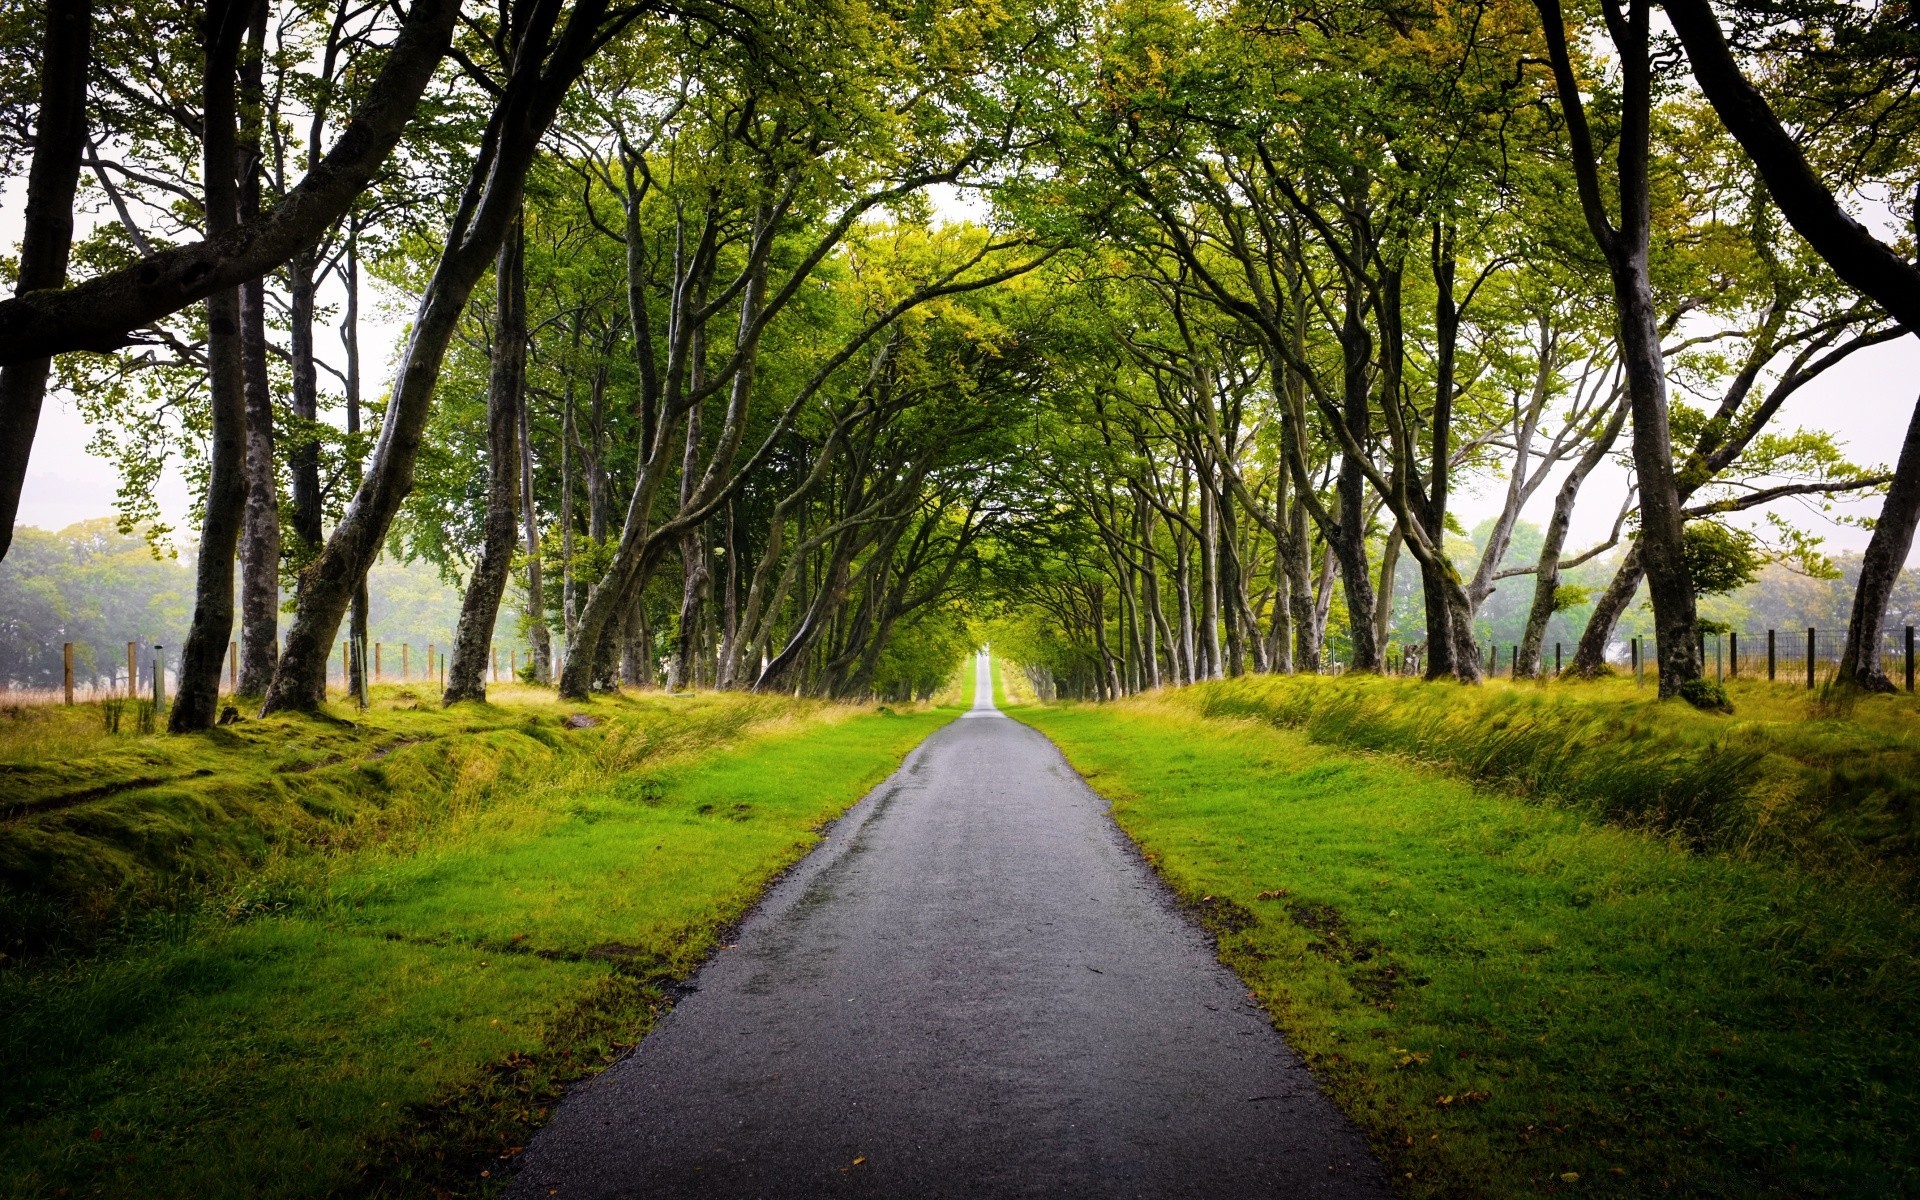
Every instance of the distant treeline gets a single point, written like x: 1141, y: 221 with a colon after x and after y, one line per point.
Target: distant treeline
x: 99, y: 588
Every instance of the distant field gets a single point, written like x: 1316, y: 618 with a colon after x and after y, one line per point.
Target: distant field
x: 1512, y: 994
x: 394, y: 940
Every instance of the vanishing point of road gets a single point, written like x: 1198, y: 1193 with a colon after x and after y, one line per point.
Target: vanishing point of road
x: 973, y: 988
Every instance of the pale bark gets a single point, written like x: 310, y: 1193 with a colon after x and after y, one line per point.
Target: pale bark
x: 1546, y: 583
x: 506, y: 398
x: 260, y: 528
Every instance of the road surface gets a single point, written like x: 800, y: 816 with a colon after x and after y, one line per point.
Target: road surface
x: 973, y: 988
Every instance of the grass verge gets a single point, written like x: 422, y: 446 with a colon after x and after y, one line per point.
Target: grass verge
x: 1514, y: 999
x: 393, y: 1013
x: 1789, y: 776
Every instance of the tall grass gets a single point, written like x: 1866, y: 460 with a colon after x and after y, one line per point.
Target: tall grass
x: 1823, y: 789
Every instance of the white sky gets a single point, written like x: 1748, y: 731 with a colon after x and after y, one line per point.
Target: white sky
x: 1866, y: 402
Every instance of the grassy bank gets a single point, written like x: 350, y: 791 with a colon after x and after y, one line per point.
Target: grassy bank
x: 99, y: 830
x: 1790, y: 775
x: 1522, y: 999
x: 379, y: 984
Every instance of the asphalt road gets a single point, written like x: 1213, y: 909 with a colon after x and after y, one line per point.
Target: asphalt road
x: 973, y: 988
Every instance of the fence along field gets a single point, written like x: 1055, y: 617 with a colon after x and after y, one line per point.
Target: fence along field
x: 150, y: 668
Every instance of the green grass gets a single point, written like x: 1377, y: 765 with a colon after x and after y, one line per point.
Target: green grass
x: 391, y: 1008
x: 1514, y: 998
x: 1790, y: 775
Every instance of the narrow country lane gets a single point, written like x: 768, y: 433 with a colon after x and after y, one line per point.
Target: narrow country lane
x: 973, y: 988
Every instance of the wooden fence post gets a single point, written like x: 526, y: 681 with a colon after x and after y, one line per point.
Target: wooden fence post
x: 1770, y: 656
x: 1513, y: 660
x: 1733, y: 655
x: 1636, y: 662
x: 1556, y: 660
x: 66, y: 668
x: 159, y: 677
x: 133, y: 670
x: 1811, y: 637
x: 376, y: 662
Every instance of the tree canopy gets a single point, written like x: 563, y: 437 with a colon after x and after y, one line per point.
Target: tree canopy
x: 800, y: 346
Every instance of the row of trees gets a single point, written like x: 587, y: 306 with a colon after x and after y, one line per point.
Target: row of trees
x: 697, y: 370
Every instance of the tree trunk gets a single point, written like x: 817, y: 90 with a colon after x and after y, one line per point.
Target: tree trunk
x: 491, y: 199
x: 636, y: 648
x: 1232, y: 585
x: 1546, y: 580
x: 357, y: 615
x: 1880, y: 568
x: 567, y: 597
x: 693, y: 566
x: 260, y: 529
x: 1590, y: 656
x: 1210, y: 583
x: 303, y: 450
x: 539, y: 639
x: 1350, y: 538
x: 1300, y: 593
x: 1183, y: 591
x: 506, y: 395
x: 1383, y: 597
x: 197, y: 702
x: 59, y: 139
x: 1662, y: 542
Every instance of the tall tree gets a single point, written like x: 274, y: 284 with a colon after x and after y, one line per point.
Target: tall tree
x: 1857, y: 256
x: 1627, y: 244
x: 223, y: 28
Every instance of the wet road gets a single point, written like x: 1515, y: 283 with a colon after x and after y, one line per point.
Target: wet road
x: 972, y: 988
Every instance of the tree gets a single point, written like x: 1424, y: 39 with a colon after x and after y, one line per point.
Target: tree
x: 1865, y: 262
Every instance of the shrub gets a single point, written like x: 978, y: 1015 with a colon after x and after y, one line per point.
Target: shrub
x: 1706, y: 695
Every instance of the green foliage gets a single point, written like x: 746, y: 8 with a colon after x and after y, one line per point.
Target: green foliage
x: 91, y: 585
x: 1721, y: 558
x: 1570, y: 595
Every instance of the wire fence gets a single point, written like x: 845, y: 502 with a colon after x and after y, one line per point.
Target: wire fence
x: 1807, y: 657
x: 152, y: 672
